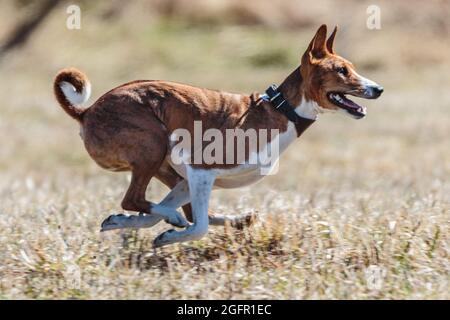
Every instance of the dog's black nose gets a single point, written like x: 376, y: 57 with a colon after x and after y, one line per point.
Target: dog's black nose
x: 377, y: 91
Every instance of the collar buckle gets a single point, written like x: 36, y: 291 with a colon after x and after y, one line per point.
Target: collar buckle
x: 279, y: 103
x: 275, y: 96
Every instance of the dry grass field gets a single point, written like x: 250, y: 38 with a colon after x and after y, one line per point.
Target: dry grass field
x: 358, y: 209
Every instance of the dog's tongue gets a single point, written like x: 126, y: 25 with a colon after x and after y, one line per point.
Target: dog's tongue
x: 348, y: 103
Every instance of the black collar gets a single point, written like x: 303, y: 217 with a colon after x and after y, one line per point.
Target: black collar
x: 277, y: 101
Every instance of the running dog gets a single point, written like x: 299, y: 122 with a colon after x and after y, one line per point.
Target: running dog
x: 131, y: 127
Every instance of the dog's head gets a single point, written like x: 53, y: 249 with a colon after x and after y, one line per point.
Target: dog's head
x: 328, y: 78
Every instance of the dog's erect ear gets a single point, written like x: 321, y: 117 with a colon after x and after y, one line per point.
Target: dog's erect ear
x: 317, y: 48
x: 330, y: 41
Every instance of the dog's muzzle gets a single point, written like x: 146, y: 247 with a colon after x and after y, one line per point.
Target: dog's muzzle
x: 355, y: 110
x: 372, y: 92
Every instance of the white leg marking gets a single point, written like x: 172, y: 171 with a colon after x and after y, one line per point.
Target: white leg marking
x: 166, y: 209
x: 123, y: 221
x: 200, y: 185
x: 177, y: 197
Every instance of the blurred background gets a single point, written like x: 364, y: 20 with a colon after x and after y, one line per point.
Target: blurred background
x: 384, y: 174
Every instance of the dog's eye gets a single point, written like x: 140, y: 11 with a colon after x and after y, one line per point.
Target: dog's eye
x: 342, y: 70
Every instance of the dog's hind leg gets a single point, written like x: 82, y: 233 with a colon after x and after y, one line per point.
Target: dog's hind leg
x: 150, y: 213
x: 165, y: 210
x: 200, y: 185
x: 134, y: 200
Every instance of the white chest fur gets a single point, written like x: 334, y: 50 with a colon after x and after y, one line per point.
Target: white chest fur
x: 248, y: 173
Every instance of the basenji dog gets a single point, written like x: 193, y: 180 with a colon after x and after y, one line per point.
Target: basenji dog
x: 132, y: 128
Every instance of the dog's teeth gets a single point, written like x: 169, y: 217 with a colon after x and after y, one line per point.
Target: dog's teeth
x: 337, y: 97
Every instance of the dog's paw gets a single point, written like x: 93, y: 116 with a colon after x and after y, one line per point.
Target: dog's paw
x: 122, y: 221
x: 164, y: 238
x: 113, y: 222
x: 177, y: 221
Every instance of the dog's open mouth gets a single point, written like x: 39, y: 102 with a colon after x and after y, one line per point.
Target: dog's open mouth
x: 340, y: 100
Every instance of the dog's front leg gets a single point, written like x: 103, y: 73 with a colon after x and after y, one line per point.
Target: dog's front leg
x: 200, y: 182
x: 165, y: 210
x: 176, y: 198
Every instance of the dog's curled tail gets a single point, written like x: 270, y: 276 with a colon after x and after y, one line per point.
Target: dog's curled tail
x: 72, y: 88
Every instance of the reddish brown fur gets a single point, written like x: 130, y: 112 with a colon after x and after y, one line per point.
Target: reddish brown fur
x: 318, y: 70
x: 128, y: 128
